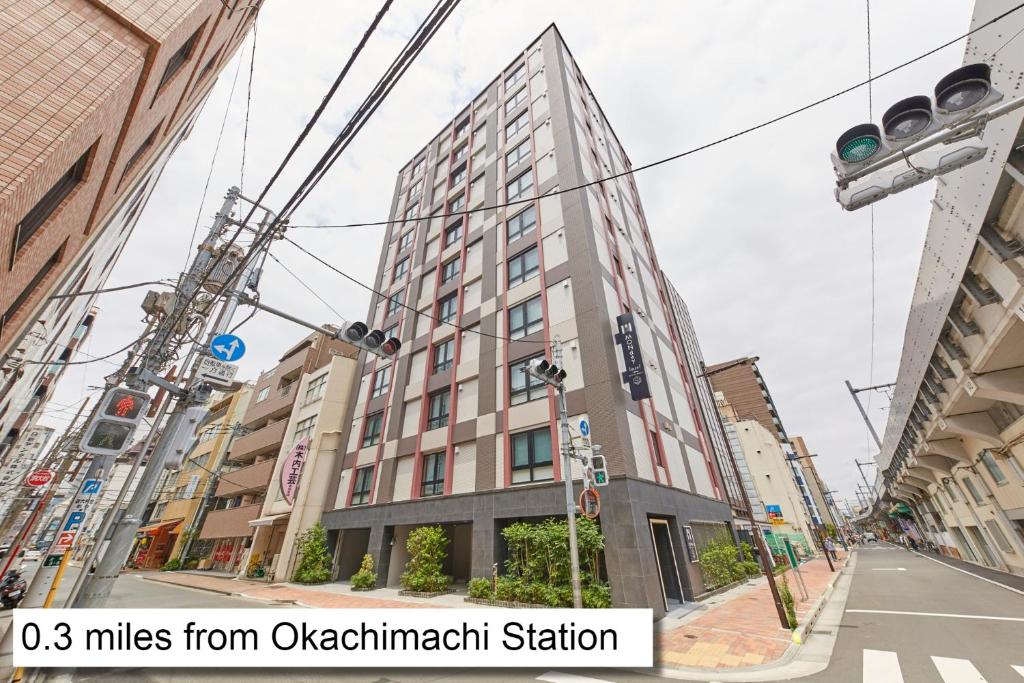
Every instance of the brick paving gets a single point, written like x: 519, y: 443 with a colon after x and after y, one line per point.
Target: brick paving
x: 744, y: 630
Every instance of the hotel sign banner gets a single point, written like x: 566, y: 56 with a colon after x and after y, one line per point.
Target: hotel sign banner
x: 635, y: 375
x: 291, y: 470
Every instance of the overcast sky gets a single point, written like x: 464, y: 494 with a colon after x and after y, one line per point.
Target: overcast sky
x: 748, y: 231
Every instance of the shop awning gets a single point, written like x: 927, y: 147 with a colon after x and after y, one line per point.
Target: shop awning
x: 268, y: 520
x: 173, y: 526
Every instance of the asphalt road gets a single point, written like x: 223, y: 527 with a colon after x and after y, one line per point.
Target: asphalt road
x: 921, y: 643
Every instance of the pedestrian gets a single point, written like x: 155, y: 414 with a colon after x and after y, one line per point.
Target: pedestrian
x: 913, y: 543
x: 830, y: 548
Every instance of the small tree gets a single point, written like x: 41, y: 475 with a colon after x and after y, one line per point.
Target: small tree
x: 366, y: 577
x: 315, y: 565
x: 424, y: 570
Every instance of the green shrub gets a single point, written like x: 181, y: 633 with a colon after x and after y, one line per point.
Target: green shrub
x: 748, y: 552
x: 191, y: 563
x: 751, y: 568
x: 315, y: 565
x: 171, y: 565
x: 597, y: 596
x: 787, y: 601
x: 481, y: 589
x: 366, y: 577
x: 423, y: 571
x: 557, y: 596
x: 719, y: 562
x: 508, y: 589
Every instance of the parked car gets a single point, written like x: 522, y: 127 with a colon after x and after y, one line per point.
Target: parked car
x: 4, y: 549
x: 870, y: 536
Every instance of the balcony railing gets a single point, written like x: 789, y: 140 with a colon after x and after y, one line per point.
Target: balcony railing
x: 262, y: 441
x: 230, y: 523
x: 251, y: 478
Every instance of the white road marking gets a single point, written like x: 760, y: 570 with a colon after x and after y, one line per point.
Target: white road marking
x: 933, y: 614
x: 882, y: 666
x: 888, y: 569
x: 964, y: 571
x: 957, y: 670
x: 1018, y: 669
x: 559, y: 677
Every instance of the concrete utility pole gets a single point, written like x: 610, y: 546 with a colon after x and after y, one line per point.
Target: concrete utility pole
x: 861, y: 466
x: 190, y: 397
x: 863, y: 413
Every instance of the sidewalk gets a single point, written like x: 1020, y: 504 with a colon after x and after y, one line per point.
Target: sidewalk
x: 741, y: 628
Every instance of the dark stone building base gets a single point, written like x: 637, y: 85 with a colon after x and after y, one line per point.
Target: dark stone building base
x: 627, y: 508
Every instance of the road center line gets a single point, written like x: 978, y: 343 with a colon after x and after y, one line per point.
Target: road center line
x: 933, y: 614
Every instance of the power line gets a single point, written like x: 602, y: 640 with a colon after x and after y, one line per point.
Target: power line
x: 248, y: 101
x: 110, y: 289
x: 92, y: 360
x: 693, y: 150
x: 402, y: 303
x: 306, y: 286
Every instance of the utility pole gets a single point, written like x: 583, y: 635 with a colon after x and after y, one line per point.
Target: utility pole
x: 861, y: 466
x: 190, y: 398
x: 863, y: 413
x: 755, y: 531
x: 570, y: 499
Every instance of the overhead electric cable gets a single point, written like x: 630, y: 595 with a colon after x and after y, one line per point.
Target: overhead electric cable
x: 110, y: 289
x: 692, y: 150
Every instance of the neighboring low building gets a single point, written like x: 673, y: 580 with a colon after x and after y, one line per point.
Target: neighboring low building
x: 227, y: 531
x: 21, y: 460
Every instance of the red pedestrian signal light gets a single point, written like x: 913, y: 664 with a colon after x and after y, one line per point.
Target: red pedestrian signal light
x: 111, y: 429
x: 124, y: 403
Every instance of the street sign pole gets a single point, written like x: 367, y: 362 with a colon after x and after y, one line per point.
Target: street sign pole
x: 570, y: 501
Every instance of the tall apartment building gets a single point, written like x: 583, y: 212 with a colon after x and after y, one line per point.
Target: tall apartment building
x: 815, y: 484
x: 95, y: 95
x: 453, y: 432
x: 245, y: 483
x: 743, y: 387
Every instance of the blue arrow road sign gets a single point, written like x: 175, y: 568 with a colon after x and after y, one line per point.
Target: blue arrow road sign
x: 227, y: 347
x: 91, y: 486
x: 584, y: 428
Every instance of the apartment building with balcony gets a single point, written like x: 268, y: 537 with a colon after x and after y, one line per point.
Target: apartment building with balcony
x: 180, y: 499
x: 96, y: 96
x: 237, y: 511
x: 452, y: 432
x: 952, y: 458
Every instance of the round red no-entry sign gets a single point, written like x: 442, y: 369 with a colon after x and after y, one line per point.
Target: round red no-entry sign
x: 39, y: 478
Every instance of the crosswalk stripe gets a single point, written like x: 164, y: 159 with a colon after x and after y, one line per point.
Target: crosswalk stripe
x: 559, y: 677
x: 882, y: 666
x: 957, y: 670
x: 1018, y: 669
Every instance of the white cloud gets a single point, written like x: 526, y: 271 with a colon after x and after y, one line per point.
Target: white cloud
x: 748, y: 231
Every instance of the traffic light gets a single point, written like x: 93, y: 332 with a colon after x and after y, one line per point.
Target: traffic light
x: 110, y: 430
x: 960, y: 101
x: 598, y: 466
x: 358, y: 334
x: 179, y: 436
x: 545, y: 371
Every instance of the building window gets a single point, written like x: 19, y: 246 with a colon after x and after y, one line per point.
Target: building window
x: 521, y: 152
x: 456, y: 205
x: 452, y: 234
x: 418, y: 168
x: 993, y: 467
x: 531, y: 456
x: 691, y: 545
x: 438, y: 416
x: 304, y: 428
x: 521, y: 122
x: 458, y: 176
x: 415, y: 190
x: 208, y: 67
x: 178, y: 59
x: 36, y: 280
x: 363, y: 484
x: 444, y: 355
x: 460, y: 153
x: 523, y: 386
x: 997, y: 533
x: 391, y: 332
x: 412, y: 212
x: 372, y: 429
x: 315, y: 389
x: 446, y: 308
x: 381, y: 382
x: 515, y: 100
x: 406, y: 241
x: 262, y: 395
x: 450, y: 270
x: 461, y: 129
x: 50, y: 202
x: 659, y: 460
x: 525, y: 318
x: 401, y: 268
x: 433, y: 475
x: 973, y: 490
x: 515, y: 76
x: 395, y: 302
x: 523, y: 266
x: 520, y: 186
x: 951, y: 492
x: 140, y: 152
x: 522, y: 223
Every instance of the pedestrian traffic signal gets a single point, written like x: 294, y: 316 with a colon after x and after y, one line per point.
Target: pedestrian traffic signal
x: 111, y: 428
x: 598, y: 466
x: 358, y: 334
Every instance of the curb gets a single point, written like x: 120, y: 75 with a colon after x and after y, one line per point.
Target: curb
x: 234, y: 594
x: 772, y: 670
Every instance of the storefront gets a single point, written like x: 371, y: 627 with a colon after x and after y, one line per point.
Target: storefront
x: 153, y: 544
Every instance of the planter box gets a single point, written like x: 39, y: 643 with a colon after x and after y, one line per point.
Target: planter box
x: 418, y: 594
x: 363, y: 590
x: 504, y: 603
